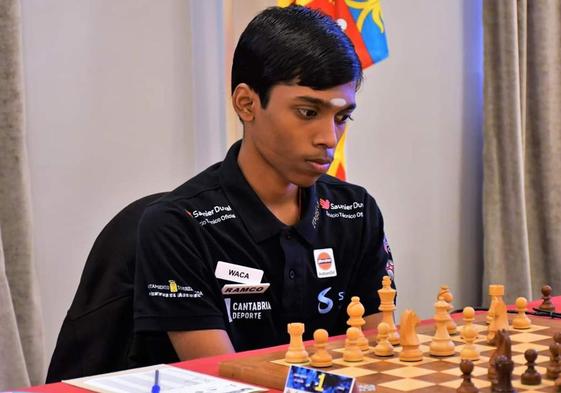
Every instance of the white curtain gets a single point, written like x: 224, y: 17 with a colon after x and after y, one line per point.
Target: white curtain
x: 21, y: 334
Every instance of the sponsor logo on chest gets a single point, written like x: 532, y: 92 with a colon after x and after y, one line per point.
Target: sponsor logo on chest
x: 325, y: 263
x: 349, y: 211
x: 243, y: 289
x: 238, y: 273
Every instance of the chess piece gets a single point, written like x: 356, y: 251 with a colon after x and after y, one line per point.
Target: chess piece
x: 496, y: 292
x: 445, y: 294
x: 383, y: 347
x: 408, y: 337
x: 467, y: 386
x: 531, y: 376
x: 554, y: 367
x: 546, y: 305
x: 521, y: 321
x: 387, y: 307
x: 504, y: 375
x: 491, y: 330
x: 355, y: 311
x: 469, y: 317
x: 503, y: 348
x: 557, y: 384
x: 296, y: 351
x: 441, y: 344
x: 352, y: 352
x: 500, y: 321
x: 321, y: 358
x: 469, y: 351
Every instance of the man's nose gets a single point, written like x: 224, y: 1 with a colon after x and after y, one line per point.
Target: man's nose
x: 329, y: 134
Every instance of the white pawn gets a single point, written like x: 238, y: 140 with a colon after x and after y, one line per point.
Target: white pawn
x: 469, y: 317
x: 521, y: 321
x: 321, y: 358
x: 352, y: 352
x: 383, y: 347
x: 469, y: 351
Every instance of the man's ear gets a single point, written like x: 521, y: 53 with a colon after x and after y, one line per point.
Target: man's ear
x: 244, y: 100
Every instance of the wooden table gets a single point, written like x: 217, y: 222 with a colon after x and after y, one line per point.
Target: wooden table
x: 209, y: 365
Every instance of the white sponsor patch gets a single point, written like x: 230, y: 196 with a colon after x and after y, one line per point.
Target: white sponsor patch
x: 244, y: 289
x: 237, y: 273
x: 325, y: 263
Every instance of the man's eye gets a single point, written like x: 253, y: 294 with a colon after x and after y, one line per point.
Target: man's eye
x: 343, y: 118
x: 307, y: 113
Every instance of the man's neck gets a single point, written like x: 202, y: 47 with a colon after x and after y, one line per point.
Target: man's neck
x: 281, y: 197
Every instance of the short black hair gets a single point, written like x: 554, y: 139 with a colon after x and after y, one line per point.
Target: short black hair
x: 294, y: 45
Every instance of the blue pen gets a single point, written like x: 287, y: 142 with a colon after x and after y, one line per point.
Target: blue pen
x: 156, y: 387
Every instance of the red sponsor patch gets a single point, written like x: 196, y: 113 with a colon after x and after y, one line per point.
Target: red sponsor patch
x: 324, y: 203
x: 324, y: 261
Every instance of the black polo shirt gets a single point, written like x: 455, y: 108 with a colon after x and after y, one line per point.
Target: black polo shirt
x: 214, y: 231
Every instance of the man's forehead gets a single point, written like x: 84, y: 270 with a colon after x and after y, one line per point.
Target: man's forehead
x: 341, y: 95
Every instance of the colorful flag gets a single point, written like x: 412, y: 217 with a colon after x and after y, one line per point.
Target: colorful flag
x: 363, y: 23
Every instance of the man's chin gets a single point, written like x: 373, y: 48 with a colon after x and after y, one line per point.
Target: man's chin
x: 306, y: 181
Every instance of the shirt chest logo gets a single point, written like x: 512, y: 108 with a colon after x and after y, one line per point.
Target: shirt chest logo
x: 325, y: 263
x: 237, y: 273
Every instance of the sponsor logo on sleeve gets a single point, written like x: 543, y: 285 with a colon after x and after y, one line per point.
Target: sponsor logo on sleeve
x: 325, y: 263
x: 390, y: 268
x: 173, y: 290
x: 212, y: 216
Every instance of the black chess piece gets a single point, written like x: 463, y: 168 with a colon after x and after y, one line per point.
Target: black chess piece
x: 467, y: 385
x: 554, y: 367
x: 546, y: 305
x: 504, y: 375
x: 503, y: 348
x: 557, y: 337
x: 531, y: 376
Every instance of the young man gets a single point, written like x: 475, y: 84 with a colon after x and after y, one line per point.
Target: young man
x: 265, y: 238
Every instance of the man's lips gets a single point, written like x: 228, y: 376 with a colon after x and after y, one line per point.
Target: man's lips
x: 320, y: 165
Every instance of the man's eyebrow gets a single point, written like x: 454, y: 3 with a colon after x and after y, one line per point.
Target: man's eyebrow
x: 320, y: 102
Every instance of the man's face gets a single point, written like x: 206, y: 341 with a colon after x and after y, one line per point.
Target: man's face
x: 297, y: 133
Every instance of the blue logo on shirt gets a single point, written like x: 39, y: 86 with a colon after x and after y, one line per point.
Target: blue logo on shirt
x: 324, y: 301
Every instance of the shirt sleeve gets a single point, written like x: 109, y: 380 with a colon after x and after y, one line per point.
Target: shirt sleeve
x: 375, y: 259
x: 175, y: 289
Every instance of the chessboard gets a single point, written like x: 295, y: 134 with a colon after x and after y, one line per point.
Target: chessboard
x: 431, y: 374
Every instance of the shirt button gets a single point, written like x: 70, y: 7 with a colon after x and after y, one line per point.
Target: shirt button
x: 291, y: 274
x: 288, y: 235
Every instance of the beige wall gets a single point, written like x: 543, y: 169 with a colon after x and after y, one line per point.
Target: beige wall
x: 121, y: 103
x: 108, y: 87
x: 416, y: 145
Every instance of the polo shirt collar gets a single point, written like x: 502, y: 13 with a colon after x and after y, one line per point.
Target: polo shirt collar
x: 257, y: 218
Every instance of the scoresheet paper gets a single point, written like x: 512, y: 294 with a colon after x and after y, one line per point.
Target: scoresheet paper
x: 171, y: 380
